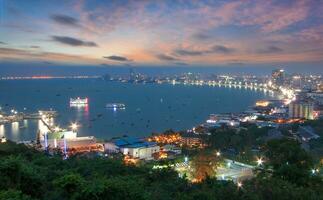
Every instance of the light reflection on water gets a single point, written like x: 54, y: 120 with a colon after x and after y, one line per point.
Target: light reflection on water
x: 182, y: 107
x: 15, y: 128
x: 2, y: 131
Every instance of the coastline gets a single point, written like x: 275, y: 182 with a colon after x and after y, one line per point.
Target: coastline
x: 192, y: 124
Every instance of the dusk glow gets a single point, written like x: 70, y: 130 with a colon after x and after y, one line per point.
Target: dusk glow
x: 161, y: 33
x: 161, y: 99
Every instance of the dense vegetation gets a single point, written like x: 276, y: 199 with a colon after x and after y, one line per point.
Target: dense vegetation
x: 28, y: 174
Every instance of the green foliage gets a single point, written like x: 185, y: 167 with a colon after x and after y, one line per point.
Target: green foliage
x: 240, y: 140
x: 27, y: 174
x: 290, y: 162
x: 13, y: 195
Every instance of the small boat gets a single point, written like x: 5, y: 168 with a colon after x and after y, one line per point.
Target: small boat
x: 115, y: 106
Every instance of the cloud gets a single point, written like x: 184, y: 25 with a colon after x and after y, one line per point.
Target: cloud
x: 184, y: 52
x: 14, y: 54
x: 34, y: 47
x: 202, y: 36
x: 214, y: 49
x: 274, y: 17
x: 236, y: 62
x: 117, y: 58
x: 270, y: 49
x: 2, y: 42
x: 65, y: 20
x: 222, y: 49
x: 165, y: 57
x: 181, y: 63
x: 73, y: 41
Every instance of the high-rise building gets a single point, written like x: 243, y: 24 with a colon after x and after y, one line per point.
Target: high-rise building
x: 302, y: 110
x: 320, y: 87
x: 278, y: 77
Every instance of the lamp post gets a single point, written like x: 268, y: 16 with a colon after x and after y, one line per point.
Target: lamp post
x: 74, y: 127
x: 260, y: 161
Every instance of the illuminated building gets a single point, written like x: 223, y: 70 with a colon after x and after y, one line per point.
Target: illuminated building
x: 278, y: 77
x: 262, y: 103
x: 302, y: 110
x: 69, y: 143
x: 320, y: 87
x: 191, y: 139
x: 134, y: 147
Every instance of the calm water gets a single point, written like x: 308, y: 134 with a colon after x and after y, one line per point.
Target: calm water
x: 149, y: 108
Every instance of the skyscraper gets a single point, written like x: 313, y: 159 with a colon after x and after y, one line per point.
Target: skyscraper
x: 278, y: 77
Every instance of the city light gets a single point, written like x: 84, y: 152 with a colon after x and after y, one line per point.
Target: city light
x: 56, y: 129
x: 260, y: 161
x: 74, y: 126
x: 315, y: 171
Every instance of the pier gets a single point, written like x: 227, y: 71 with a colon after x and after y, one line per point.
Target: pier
x: 17, y: 117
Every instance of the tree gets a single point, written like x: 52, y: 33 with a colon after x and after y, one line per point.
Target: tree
x: 289, y: 161
x: 70, y: 185
x: 13, y: 195
x: 204, y: 165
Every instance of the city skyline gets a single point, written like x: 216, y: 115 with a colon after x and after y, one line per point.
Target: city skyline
x: 161, y: 33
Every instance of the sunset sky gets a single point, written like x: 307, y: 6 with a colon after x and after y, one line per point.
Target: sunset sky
x: 161, y: 33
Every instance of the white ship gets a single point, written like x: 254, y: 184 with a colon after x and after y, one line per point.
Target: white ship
x: 79, y: 101
x: 116, y: 106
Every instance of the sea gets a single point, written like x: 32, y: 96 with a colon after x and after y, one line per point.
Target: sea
x: 150, y: 108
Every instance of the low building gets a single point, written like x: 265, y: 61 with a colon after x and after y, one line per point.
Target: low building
x: 191, y: 139
x: 307, y: 133
x: 172, y: 148
x: 134, y: 147
x: 68, y: 142
x: 72, y: 145
x: 220, y: 120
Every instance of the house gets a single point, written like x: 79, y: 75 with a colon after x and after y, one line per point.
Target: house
x: 172, y: 148
x: 307, y: 133
x: 134, y: 147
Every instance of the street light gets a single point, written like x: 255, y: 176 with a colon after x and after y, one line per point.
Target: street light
x: 314, y: 171
x: 74, y: 126
x: 218, y: 153
x: 260, y: 161
x: 56, y: 129
x: 239, y: 184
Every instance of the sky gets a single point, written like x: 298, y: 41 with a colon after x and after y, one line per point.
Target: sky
x: 183, y: 33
